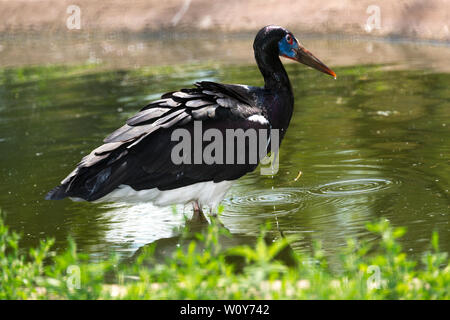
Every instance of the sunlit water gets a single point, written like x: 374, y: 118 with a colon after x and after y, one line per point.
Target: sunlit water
x: 374, y: 143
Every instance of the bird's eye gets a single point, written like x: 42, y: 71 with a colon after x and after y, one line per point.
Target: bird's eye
x: 289, y: 39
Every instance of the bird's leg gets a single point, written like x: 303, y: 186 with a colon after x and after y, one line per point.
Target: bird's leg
x: 198, y: 213
x: 214, y: 216
x: 213, y: 213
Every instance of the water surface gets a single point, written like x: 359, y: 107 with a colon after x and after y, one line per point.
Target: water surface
x: 374, y: 143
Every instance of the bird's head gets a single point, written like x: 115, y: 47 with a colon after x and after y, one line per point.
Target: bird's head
x: 279, y: 41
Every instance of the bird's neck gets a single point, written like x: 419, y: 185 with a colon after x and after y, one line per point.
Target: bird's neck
x: 277, y: 82
x: 275, y: 76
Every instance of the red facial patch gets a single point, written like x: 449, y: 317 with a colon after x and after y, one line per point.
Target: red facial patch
x: 289, y: 39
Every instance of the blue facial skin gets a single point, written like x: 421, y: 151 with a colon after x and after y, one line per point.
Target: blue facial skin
x: 286, y: 49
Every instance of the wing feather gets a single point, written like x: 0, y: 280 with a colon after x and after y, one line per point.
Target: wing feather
x: 126, y: 159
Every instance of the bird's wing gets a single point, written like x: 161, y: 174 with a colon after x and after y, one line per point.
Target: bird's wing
x: 209, y: 100
x: 138, y: 154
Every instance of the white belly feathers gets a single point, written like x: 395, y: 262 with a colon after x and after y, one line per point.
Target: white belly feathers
x: 206, y: 193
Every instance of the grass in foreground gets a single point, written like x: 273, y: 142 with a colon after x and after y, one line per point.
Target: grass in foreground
x: 202, y: 270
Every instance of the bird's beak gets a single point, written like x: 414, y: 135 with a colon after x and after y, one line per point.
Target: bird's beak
x: 304, y: 56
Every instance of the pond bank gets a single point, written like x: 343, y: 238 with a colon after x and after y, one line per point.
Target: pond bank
x: 383, y: 18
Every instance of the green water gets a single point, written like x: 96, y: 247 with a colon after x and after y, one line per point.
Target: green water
x: 373, y: 143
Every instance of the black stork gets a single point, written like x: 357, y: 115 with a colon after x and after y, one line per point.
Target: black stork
x: 135, y: 163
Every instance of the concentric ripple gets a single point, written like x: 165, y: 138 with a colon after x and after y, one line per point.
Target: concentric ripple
x: 351, y: 187
x: 279, y: 200
x: 268, y: 197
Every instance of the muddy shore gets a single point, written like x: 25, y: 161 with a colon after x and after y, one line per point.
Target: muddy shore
x: 413, y: 19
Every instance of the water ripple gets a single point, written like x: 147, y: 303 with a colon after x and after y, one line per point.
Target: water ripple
x: 279, y: 200
x: 351, y: 187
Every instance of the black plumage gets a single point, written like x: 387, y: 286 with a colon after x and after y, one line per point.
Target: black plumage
x: 139, y: 153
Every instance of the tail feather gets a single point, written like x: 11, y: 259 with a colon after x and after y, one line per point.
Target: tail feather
x: 90, y: 183
x: 57, y: 193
